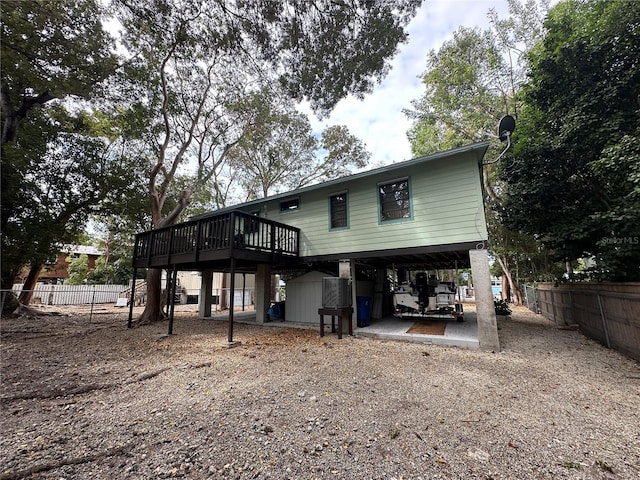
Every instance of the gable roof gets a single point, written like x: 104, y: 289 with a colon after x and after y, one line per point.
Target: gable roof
x: 479, y: 148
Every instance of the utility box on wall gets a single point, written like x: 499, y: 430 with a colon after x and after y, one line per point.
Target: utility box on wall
x: 336, y: 292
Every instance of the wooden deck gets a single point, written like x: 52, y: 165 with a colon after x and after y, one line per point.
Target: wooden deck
x: 215, y: 240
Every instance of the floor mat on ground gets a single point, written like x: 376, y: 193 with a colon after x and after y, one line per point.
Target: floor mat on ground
x: 426, y: 327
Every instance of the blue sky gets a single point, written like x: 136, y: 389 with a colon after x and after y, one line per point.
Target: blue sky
x: 378, y: 119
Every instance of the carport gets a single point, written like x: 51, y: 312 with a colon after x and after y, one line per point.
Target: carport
x: 479, y: 330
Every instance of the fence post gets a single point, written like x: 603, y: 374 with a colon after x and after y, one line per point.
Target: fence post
x: 604, y: 322
x: 93, y: 301
x: 571, y: 309
x: 133, y: 297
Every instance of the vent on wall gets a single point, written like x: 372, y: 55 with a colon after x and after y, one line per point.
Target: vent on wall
x: 336, y: 292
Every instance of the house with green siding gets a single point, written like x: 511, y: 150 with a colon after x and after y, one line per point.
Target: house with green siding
x: 423, y: 214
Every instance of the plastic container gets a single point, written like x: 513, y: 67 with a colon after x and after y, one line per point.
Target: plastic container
x: 364, y: 311
x: 276, y: 310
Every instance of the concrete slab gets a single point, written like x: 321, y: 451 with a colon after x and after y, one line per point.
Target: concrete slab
x: 456, y: 334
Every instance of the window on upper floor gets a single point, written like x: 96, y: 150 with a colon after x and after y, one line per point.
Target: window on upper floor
x: 394, y: 200
x: 338, y: 211
x: 290, y: 205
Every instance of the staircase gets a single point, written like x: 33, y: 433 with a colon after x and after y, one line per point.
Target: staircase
x: 140, y: 293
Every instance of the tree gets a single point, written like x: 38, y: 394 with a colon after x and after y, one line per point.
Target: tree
x: 65, y: 177
x: 574, y: 181
x: 192, y: 64
x: 78, y: 270
x: 467, y: 91
x: 114, y: 236
x: 471, y: 82
x: 280, y: 152
x: 50, y: 50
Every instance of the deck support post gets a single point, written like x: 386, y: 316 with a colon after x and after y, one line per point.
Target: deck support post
x: 206, y: 296
x: 347, y: 269
x: 485, y: 309
x: 231, y: 303
x: 263, y: 291
x: 171, y: 297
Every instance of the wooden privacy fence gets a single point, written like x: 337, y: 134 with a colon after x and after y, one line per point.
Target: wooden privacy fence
x: 74, y: 294
x: 606, y: 312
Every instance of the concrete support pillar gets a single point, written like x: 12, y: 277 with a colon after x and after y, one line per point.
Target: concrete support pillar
x: 485, y: 310
x: 263, y: 292
x: 205, y: 299
x: 347, y: 269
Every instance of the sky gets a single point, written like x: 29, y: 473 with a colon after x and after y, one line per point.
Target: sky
x: 378, y: 119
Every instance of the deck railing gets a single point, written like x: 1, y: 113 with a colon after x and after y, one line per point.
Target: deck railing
x: 197, y: 240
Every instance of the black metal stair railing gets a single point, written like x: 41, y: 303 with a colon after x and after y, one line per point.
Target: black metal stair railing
x: 198, y: 240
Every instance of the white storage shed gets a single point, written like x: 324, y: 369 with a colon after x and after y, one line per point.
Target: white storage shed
x: 304, y: 298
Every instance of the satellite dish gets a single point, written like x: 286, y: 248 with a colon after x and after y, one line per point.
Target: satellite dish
x: 506, y: 127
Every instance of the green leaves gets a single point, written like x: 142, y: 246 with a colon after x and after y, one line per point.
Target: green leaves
x: 280, y: 152
x: 470, y: 83
x: 573, y: 180
x: 467, y: 92
x: 50, y: 49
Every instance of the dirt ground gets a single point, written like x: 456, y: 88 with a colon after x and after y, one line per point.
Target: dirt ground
x: 83, y: 397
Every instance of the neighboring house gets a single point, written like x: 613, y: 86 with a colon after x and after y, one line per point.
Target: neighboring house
x: 57, y: 270
x: 422, y: 214
x: 190, y: 284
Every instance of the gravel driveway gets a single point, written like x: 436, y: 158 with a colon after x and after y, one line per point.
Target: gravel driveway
x: 93, y: 400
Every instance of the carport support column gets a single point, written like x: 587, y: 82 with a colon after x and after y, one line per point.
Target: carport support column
x: 347, y: 269
x: 206, y: 296
x: 485, y: 310
x: 263, y: 292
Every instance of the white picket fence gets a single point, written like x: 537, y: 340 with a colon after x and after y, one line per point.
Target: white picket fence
x: 73, y: 294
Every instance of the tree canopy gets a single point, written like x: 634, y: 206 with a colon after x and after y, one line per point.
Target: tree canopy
x: 470, y: 82
x: 574, y: 181
x: 280, y: 152
x: 467, y: 91
x: 193, y: 68
x: 66, y: 174
x: 50, y: 49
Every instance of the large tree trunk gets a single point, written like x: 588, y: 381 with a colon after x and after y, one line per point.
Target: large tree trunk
x: 13, y: 117
x: 506, y: 289
x: 515, y: 289
x: 153, y: 307
x: 9, y: 299
x: 30, y: 283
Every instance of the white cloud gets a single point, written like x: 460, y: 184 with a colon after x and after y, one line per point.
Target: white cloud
x: 378, y: 119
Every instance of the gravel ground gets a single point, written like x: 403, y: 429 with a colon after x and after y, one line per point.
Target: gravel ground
x: 93, y: 400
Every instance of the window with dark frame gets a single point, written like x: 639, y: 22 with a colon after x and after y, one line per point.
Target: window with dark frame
x: 394, y: 200
x: 338, y: 210
x: 290, y: 205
